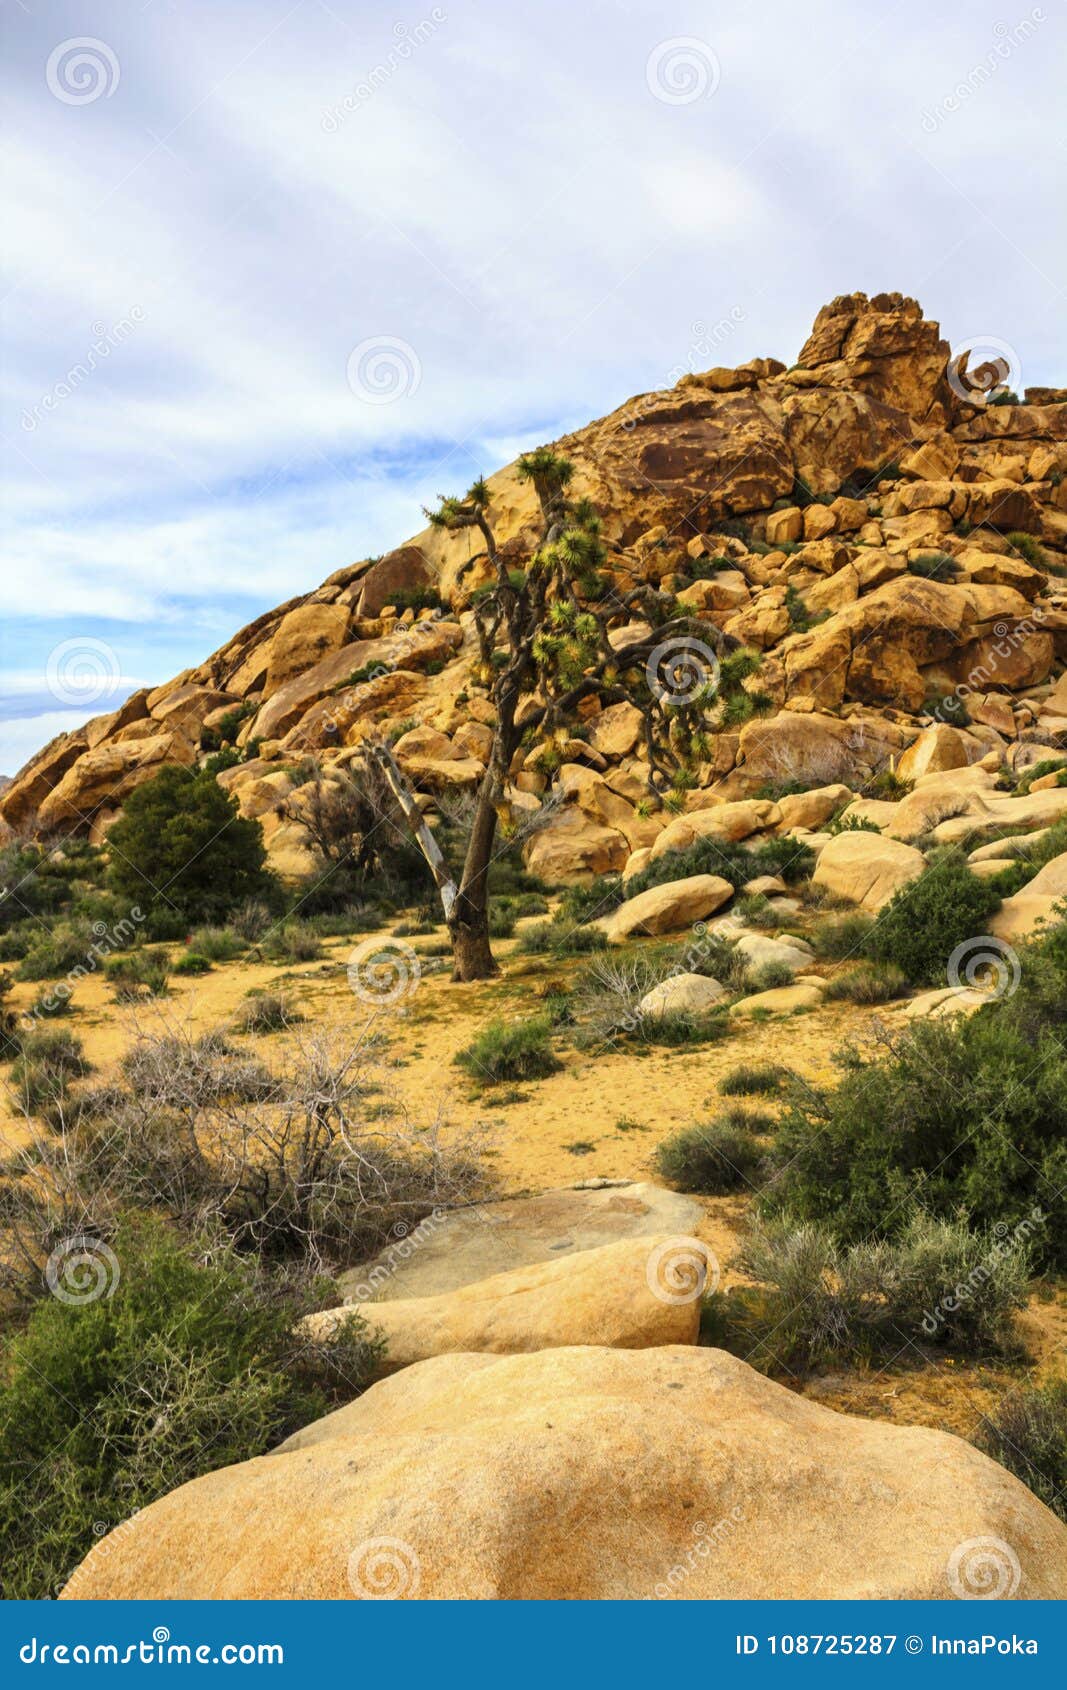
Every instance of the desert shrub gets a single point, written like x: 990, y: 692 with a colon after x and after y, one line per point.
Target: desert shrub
x: 144, y: 974
x: 294, y: 941
x: 218, y: 944
x: 790, y: 858
x: 853, y: 824
x: 191, y: 962
x: 588, y: 903
x: 266, y: 1012
x: 1029, y: 548
x: 923, y: 923
x: 48, y: 1060
x: 934, y: 566
x: 1046, y: 766
x: 753, y: 1079
x: 681, y: 1027
x: 558, y: 938
x: 515, y: 1050
x: 887, y: 785
x: 1027, y: 1434
x: 711, y: 1159
x: 188, y: 1361
x: 766, y: 976
x: 967, y: 1115
x: 845, y: 936
x: 937, y: 1283
x: 251, y: 919
x: 58, y: 950
x: 947, y: 707
x: 501, y: 921
x: 873, y: 982
x: 181, y: 844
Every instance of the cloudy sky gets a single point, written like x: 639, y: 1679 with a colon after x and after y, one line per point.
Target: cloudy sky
x: 281, y: 270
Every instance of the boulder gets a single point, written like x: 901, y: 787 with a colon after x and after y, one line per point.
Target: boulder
x: 399, y: 571
x: 602, y: 1295
x: 937, y: 748
x: 759, y: 950
x: 590, y: 1473
x: 945, y: 1000
x: 781, y: 1000
x: 681, y: 994
x: 812, y: 809
x: 668, y: 908
x: 303, y: 638
x: 616, y: 730
x: 867, y: 869
x: 107, y: 775
x: 571, y: 847
x: 727, y: 822
x: 454, y: 1247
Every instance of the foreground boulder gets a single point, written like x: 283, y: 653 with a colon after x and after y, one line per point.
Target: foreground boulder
x: 590, y: 1473
x: 667, y: 908
x: 606, y: 1295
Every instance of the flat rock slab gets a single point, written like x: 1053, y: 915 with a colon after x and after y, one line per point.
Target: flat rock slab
x: 466, y: 1245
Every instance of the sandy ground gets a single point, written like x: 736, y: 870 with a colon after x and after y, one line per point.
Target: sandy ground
x: 600, y: 1117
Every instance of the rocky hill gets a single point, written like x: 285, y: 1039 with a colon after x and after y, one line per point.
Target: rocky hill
x: 892, y: 541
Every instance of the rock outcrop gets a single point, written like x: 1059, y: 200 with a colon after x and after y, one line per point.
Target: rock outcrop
x: 591, y: 1473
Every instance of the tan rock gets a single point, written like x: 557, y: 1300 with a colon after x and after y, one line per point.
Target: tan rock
x: 812, y: 809
x: 728, y: 822
x: 787, y: 525
x: 570, y: 847
x: 602, y: 1295
x: 616, y: 730
x: 499, y: 1477
x: 866, y: 868
x: 303, y: 638
x: 668, y: 908
x: 107, y: 775
x: 681, y: 994
x: 936, y: 749
x: 780, y: 1000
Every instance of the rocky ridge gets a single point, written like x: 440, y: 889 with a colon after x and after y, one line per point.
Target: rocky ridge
x: 783, y: 506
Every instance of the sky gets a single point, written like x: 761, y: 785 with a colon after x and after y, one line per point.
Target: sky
x: 277, y: 272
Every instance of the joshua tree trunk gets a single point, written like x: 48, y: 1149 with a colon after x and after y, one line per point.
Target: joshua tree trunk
x: 468, y: 923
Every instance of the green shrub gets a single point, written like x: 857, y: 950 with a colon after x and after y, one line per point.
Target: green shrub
x: 191, y: 962
x: 181, y: 1366
x: 681, y: 1027
x: 59, y: 950
x: 1029, y: 548
x: 947, y: 707
x: 966, y: 1115
x: 753, y: 1079
x: 712, y: 1159
x: 180, y: 843
x: 556, y: 938
x: 845, y: 936
x: 1027, y: 1434
x: 516, y: 1050
x: 294, y: 941
x: 145, y: 974
x: 874, y: 982
x: 937, y: 1283
x: 768, y: 976
x: 923, y: 923
x: 49, y: 1058
x: 853, y: 824
x: 934, y: 566
x: 218, y: 944
x: 790, y: 858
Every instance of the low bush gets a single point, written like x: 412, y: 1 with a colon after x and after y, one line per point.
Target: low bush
x: 681, y: 1027
x: 186, y: 1362
x: 557, y: 938
x: 790, y: 858
x: 843, y: 937
x: 144, y: 974
x: 712, y: 1159
x: 61, y: 949
x: 934, y: 566
x: 937, y: 1283
x: 767, y: 976
x: 1027, y: 1434
x: 510, y: 1050
x: 48, y: 1060
x: 923, y: 923
x: 266, y: 1012
x: 218, y: 944
x: 873, y: 982
x: 753, y: 1079
x: 191, y: 962
x: 963, y: 1115
x: 294, y: 941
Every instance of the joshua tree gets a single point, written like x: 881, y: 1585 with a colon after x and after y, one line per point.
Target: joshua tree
x: 549, y: 637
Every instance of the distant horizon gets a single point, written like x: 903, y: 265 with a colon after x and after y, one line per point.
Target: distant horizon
x: 292, y: 284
